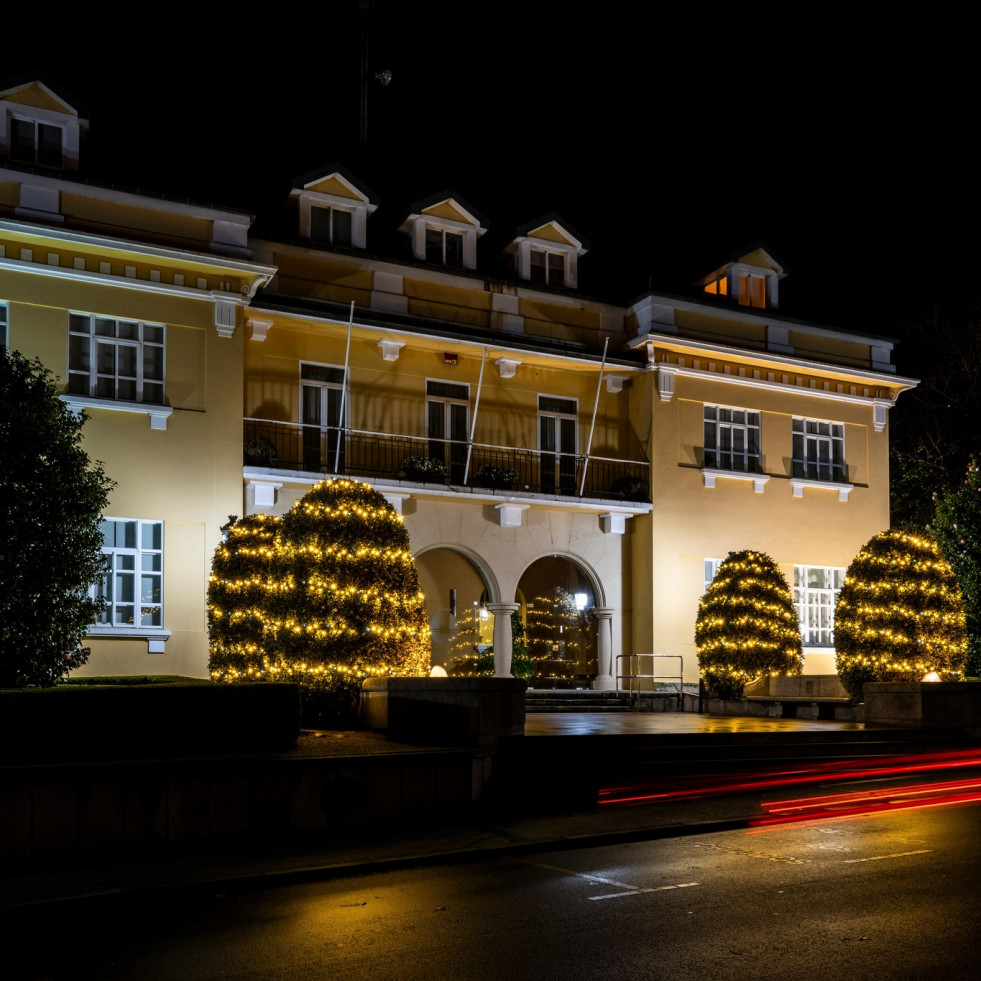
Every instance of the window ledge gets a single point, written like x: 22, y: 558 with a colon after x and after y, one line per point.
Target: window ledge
x: 159, y: 414
x: 799, y: 483
x: 759, y: 480
x: 155, y: 637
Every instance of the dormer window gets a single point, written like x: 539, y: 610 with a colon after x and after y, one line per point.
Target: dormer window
x: 34, y: 142
x: 443, y: 230
x: 334, y: 226
x: 546, y: 252
x: 750, y: 279
x: 40, y: 127
x: 333, y: 208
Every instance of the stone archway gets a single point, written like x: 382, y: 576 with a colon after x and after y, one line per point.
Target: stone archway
x: 556, y: 597
x: 457, y: 592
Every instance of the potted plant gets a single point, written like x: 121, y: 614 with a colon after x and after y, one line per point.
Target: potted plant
x: 260, y: 453
x: 630, y: 489
x: 423, y: 468
x: 501, y: 478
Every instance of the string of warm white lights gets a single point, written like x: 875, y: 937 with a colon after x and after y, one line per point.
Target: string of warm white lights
x: 330, y: 590
x: 746, y: 626
x: 900, y: 614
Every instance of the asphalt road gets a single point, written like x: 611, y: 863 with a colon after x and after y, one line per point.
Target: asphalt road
x: 893, y: 895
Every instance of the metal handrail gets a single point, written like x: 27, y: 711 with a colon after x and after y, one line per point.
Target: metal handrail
x: 446, y: 440
x: 679, y: 677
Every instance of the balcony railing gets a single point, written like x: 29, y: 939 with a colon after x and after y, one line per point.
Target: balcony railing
x: 330, y: 450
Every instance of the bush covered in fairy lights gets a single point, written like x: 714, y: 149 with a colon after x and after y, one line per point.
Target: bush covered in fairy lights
x: 326, y: 597
x: 237, y: 593
x: 746, y: 626
x: 899, y: 615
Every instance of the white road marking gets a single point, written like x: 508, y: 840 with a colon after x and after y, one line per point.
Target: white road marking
x: 879, y: 858
x: 629, y: 889
x: 638, y: 892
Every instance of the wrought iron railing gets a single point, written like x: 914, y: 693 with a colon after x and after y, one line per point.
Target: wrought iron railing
x: 331, y: 450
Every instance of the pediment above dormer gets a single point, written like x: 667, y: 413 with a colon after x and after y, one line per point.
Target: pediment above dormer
x: 749, y: 278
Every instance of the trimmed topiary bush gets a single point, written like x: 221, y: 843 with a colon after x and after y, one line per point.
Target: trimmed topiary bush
x: 237, y: 592
x: 899, y: 615
x: 746, y: 626
x: 334, y: 599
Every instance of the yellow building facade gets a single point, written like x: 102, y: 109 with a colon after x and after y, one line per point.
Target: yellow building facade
x: 567, y: 468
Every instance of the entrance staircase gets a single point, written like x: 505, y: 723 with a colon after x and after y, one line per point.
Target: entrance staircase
x: 576, y: 700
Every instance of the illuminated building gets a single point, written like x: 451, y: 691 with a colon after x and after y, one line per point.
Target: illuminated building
x: 537, y: 442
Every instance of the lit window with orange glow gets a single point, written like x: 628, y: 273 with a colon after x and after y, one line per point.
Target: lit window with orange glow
x: 718, y: 287
x: 752, y: 291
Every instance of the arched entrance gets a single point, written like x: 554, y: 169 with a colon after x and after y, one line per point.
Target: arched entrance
x: 556, y: 598
x: 456, y: 604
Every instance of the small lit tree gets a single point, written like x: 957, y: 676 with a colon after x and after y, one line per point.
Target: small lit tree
x: 899, y: 615
x: 746, y: 626
x: 237, y: 593
x: 957, y: 529
x: 50, y: 528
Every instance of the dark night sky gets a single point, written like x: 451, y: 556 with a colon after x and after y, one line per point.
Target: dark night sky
x: 668, y: 138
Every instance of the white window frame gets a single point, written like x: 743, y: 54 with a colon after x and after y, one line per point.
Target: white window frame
x: 17, y: 117
x: 723, y: 421
x: 4, y: 325
x: 443, y: 231
x: 87, y: 381
x: 332, y: 210
x: 711, y: 568
x: 809, y: 438
x: 549, y: 254
x: 131, y: 570
x: 816, y: 604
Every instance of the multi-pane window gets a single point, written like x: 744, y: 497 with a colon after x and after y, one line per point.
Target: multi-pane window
x: 711, y: 568
x: 447, y: 419
x: 115, y: 359
x: 558, y: 441
x: 132, y: 586
x: 444, y: 248
x: 815, y: 594
x: 547, y: 268
x: 3, y: 325
x: 732, y: 439
x: 819, y: 450
x: 34, y: 142
x: 334, y: 225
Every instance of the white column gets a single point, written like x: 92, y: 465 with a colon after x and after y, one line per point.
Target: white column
x: 604, y: 648
x: 502, y: 637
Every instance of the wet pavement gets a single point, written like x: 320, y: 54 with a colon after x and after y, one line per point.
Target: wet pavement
x: 393, y: 848
x: 660, y: 723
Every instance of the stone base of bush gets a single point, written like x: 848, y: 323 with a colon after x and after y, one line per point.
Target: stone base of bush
x: 923, y: 705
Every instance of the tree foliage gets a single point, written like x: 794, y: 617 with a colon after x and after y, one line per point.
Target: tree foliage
x: 933, y: 428
x: 328, y: 596
x: 900, y: 614
x: 50, y: 538
x: 956, y: 527
x: 746, y: 626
